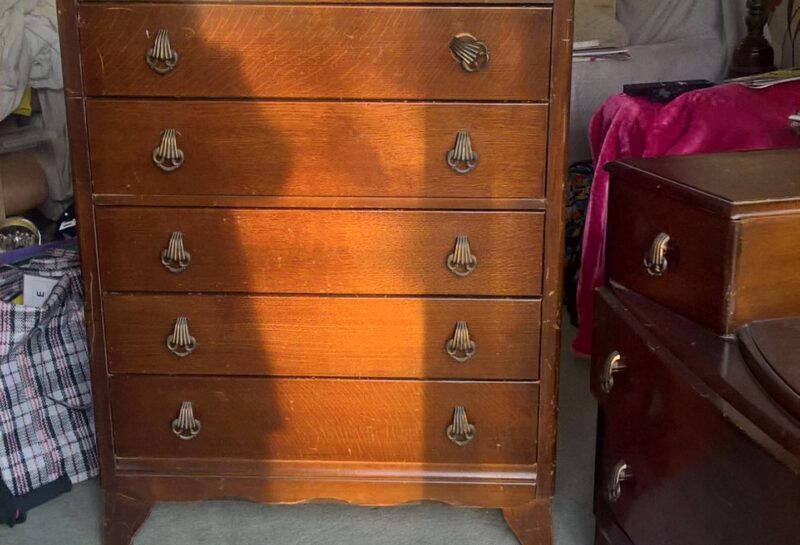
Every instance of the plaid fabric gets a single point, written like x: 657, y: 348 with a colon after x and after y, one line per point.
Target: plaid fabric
x: 46, y: 422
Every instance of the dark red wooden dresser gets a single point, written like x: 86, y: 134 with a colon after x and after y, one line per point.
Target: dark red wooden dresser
x: 696, y: 355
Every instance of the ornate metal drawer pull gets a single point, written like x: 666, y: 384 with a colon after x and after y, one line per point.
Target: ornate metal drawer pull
x: 462, y: 158
x: 461, y: 347
x: 462, y: 262
x: 181, y: 343
x: 621, y: 473
x: 168, y: 156
x: 161, y: 57
x: 186, y: 426
x: 471, y: 53
x: 460, y: 431
x: 613, y: 364
x: 175, y: 258
x: 655, y: 261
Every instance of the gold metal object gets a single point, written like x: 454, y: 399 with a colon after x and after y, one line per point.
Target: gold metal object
x: 181, y: 343
x: 655, y: 261
x: 175, y: 258
x: 461, y: 347
x: 460, y: 431
x: 161, y: 57
x: 462, y: 262
x: 17, y: 232
x: 613, y: 364
x: 471, y: 53
x: 621, y: 473
x: 186, y: 426
x: 462, y: 158
x: 167, y: 155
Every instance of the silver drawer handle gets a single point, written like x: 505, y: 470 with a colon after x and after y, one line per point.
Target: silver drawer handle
x: 462, y: 262
x: 174, y: 257
x: 655, y: 260
x: 167, y: 155
x: 462, y: 158
x: 181, y: 343
x: 461, y: 347
x: 612, y: 364
x: 471, y: 53
x: 621, y: 473
x: 186, y: 426
x: 162, y: 58
x: 460, y: 431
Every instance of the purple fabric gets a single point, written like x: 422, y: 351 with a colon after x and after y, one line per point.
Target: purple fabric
x: 724, y: 118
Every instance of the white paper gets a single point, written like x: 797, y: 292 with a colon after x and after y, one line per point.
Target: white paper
x: 36, y: 289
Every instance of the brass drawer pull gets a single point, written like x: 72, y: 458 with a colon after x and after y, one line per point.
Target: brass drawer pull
x: 168, y: 156
x: 461, y: 347
x: 462, y: 158
x: 181, y: 343
x: 161, y: 57
x: 621, y: 473
x: 175, y: 258
x: 462, y: 262
x: 655, y: 260
x: 460, y: 431
x: 613, y: 364
x: 186, y: 426
x: 471, y: 53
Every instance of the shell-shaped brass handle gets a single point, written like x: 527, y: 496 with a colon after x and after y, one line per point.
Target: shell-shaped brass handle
x: 460, y: 431
x: 162, y: 58
x: 462, y: 262
x: 181, y: 343
x: 655, y: 260
x: 461, y: 347
x: 613, y: 364
x: 167, y: 155
x: 619, y: 474
x: 175, y: 257
x: 186, y: 426
x: 471, y: 53
x: 462, y: 158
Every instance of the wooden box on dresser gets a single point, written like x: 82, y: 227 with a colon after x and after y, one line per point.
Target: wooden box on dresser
x: 322, y: 250
x: 696, y: 344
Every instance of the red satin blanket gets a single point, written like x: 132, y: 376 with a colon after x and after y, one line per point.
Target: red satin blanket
x: 724, y: 118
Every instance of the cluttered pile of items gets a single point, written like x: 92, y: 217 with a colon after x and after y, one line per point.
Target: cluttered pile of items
x: 46, y: 424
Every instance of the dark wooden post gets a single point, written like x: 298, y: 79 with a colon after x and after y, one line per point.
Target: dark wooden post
x: 755, y: 54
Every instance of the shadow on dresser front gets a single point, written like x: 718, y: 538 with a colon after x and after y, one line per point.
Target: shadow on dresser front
x: 321, y: 268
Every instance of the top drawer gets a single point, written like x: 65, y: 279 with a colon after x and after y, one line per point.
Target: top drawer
x: 314, y: 51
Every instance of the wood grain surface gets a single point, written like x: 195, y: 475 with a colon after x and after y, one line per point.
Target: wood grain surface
x: 722, y: 272
x: 767, y: 269
x: 320, y: 251
x: 315, y: 51
x: 363, y: 149
x: 336, y: 420
x: 314, y: 336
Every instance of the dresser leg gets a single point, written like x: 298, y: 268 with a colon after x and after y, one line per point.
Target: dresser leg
x: 123, y: 518
x: 532, y: 523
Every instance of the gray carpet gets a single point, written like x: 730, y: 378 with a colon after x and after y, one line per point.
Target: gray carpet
x: 74, y: 519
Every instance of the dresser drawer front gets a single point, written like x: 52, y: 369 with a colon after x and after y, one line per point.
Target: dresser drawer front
x: 315, y: 51
x: 325, y: 420
x: 318, y: 149
x: 684, y: 459
x: 322, y: 251
x: 317, y: 337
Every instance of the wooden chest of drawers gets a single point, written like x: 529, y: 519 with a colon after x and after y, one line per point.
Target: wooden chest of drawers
x: 691, y: 448
x: 322, y: 250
